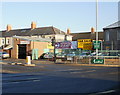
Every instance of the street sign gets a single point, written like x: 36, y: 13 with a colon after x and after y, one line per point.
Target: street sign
x: 97, y: 61
x: 96, y: 44
x: 63, y: 45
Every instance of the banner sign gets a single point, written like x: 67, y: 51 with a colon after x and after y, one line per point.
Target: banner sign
x: 63, y: 45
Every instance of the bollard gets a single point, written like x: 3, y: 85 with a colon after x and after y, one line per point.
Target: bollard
x: 28, y: 60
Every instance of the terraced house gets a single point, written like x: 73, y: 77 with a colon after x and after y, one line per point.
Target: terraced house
x: 15, y: 41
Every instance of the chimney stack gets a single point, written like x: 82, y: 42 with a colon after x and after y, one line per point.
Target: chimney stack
x: 68, y: 31
x: 9, y: 27
x: 92, y: 30
x: 33, y: 25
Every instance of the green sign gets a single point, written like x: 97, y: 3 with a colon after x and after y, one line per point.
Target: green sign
x: 97, y: 61
x: 96, y: 44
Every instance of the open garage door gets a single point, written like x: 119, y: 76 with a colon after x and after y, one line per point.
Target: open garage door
x: 22, y: 51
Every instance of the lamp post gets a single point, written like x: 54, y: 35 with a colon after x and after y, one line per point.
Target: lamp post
x: 96, y: 28
x: 53, y: 44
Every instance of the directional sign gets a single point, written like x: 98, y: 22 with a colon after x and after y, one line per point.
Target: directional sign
x: 96, y: 44
x: 63, y: 45
x: 97, y: 61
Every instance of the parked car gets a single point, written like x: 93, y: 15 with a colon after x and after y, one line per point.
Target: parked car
x: 83, y: 54
x: 61, y: 55
x: 4, y: 55
x: 47, y: 55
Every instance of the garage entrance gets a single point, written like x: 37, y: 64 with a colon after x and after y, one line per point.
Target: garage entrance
x: 22, y: 51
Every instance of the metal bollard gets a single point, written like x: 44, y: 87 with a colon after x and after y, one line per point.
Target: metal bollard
x: 28, y: 60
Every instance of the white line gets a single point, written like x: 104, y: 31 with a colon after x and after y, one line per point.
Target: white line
x: 84, y: 71
x: 108, y: 91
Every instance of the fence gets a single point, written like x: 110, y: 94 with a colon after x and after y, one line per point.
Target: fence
x: 107, y: 60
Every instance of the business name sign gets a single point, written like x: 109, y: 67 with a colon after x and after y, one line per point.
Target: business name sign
x: 63, y: 45
x: 24, y: 42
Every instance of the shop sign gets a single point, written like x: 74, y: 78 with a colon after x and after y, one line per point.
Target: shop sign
x: 63, y: 45
x: 24, y: 42
x: 85, y: 44
x: 97, y: 61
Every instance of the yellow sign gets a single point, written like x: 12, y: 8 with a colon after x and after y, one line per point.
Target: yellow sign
x: 85, y: 44
x: 49, y: 46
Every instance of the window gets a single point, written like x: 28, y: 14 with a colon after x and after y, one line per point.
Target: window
x: 107, y: 36
x: 118, y: 35
x: 3, y: 41
x: 8, y: 41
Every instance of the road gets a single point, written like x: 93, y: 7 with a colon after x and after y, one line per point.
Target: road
x: 59, y: 78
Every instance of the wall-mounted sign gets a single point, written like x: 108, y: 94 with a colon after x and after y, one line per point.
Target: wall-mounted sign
x: 85, y: 44
x: 63, y: 45
x: 24, y: 42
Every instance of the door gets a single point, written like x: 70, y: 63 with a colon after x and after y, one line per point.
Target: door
x: 22, y: 51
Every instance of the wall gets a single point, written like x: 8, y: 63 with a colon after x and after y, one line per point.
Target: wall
x: 113, y: 43
x: 39, y: 45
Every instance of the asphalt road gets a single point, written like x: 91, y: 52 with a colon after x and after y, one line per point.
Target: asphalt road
x: 59, y: 78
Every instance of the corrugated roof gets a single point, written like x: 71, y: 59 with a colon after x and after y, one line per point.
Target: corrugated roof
x: 32, y: 32
x: 114, y: 25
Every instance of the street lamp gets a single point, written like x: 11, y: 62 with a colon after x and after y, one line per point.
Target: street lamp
x: 53, y: 44
x: 96, y: 28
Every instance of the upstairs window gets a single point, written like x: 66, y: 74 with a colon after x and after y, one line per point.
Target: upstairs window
x: 8, y: 41
x: 107, y: 36
x: 3, y: 41
x: 118, y: 35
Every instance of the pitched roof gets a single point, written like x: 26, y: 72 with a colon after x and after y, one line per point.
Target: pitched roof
x: 114, y: 25
x: 87, y: 35
x: 32, y: 32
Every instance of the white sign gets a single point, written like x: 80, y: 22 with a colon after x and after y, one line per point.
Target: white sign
x: 74, y: 44
x: 24, y: 42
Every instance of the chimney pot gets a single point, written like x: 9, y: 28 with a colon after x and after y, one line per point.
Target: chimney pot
x: 68, y: 31
x: 9, y: 27
x: 92, y: 30
x: 33, y: 25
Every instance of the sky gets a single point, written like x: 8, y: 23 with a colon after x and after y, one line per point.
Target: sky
x: 78, y: 16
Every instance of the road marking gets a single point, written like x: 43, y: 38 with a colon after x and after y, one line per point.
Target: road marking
x: 84, y: 71
x: 70, y: 70
x: 108, y: 91
x: 36, y: 80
